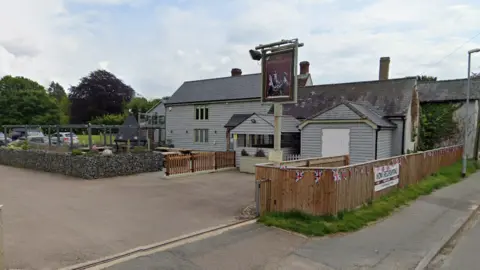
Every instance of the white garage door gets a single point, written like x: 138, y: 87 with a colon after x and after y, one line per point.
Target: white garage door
x: 335, y: 142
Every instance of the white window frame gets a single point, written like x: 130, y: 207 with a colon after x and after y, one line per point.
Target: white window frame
x: 200, y: 135
x: 201, y: 112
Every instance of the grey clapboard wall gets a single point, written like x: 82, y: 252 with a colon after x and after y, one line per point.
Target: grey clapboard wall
x: 384, y: 143
x: 181, y: 123
x: 362, y: 140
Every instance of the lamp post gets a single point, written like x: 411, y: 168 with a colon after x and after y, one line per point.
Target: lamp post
x: 467, y: 118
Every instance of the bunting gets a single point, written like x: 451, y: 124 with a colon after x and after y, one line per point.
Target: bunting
x: 318, y: 175
x: 299, y: 175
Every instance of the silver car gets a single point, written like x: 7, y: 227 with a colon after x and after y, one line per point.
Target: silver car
x: 64, y: 138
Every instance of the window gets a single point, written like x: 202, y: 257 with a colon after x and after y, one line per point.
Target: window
x: 201, y: 113
x: 201, y: 135
x: 263, y: 141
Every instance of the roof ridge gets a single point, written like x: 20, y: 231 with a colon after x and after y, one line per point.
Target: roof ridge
x: 449, y: 80
x: 362, y: 82
x: 221, y: 78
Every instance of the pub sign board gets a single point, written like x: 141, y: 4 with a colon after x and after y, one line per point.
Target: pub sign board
x: 279, y: 76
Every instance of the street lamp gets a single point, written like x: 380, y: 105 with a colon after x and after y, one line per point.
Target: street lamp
x: 467, y: 118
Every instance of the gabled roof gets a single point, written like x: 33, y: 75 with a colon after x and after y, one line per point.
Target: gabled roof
x: 236, y: 120
x: 364, y: 111
x: 129, y: 130
x: 448, y: 90
x: 389, y: 97
x: 289, y: 123
x: 221, y: 89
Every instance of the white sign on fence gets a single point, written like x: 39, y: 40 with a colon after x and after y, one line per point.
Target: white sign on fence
x: 386, y: 176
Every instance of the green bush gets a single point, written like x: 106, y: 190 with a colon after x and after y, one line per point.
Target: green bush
x: 77, y: 152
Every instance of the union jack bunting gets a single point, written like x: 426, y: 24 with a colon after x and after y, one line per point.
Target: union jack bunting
x: 283, y: 167
x: 336, y: 176
x: 344, y: 174
x: 318, y: 175
x: 299, y: 176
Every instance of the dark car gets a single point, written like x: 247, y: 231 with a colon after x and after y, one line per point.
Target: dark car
x: 20, y: 132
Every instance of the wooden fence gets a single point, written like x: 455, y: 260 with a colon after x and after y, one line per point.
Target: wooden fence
x: 318, y: 190
x: 196, y: 162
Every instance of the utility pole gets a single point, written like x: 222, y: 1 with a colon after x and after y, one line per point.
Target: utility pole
x: 466, y: 123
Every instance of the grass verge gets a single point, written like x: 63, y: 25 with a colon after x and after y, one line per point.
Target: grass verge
x: 96, y: 139
x: 349, y: 221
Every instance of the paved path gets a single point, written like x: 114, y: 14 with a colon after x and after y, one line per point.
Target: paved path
x: 398, y: 242
x: 463, y: 251
x: 52, y: 221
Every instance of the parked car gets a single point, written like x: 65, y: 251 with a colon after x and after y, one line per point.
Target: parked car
x: 64, y: 138
x: 2, y: 139
x: 20, y: 132
x: 37, y: 140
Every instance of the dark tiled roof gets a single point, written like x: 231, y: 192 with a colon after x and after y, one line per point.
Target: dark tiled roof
x: 220, y: 89
x: 365, y: 111
x: 227, y: 88
x: 236, y: 120
x: 448, y: 90
x: 390, y: 97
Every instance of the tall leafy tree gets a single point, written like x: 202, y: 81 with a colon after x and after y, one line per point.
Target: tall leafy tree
x: 24, y: 101
x: 98, y: 94
x: 56, y: 90
x: 19, y: 83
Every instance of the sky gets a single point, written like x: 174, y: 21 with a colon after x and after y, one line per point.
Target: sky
x: 156, y: 45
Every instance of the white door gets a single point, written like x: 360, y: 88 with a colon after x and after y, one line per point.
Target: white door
x: 335, y: 142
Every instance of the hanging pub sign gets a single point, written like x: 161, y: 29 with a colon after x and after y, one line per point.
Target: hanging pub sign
x: 386, y: 176
x: 279, y: 73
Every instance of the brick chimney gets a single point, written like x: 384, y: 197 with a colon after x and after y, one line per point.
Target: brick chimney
x: 384, y: 68
x: 304, y: 67
x: 236, y: 72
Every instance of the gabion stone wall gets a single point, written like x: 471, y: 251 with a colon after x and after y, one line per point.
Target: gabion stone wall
x: 86, y: 167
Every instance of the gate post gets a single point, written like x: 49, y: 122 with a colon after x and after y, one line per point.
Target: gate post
x: 257, y: 198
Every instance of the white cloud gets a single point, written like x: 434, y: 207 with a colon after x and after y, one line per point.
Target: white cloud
x: 156, y: 49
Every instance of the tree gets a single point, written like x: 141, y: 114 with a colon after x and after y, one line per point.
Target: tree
x: 141, y: 105
x: 96, y: 95
x: 24, y: 107
x: 19, y: 83
x: 56, y: 90
x: 425, y: 78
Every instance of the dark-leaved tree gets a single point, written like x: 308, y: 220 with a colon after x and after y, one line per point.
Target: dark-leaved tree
x: 96, y: 95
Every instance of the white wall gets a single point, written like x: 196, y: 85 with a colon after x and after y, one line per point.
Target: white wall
x: 408, y: 144
x: 252, y: 150
x: 460, y: 116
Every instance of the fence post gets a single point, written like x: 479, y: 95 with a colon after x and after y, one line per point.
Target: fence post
x: 58, y: 136
x: 2, y: 253
x: 257, y: 198
x: 215, y: 160
x: 5, y: 133
x: 49, y: 136
x: 166, y: 165
x: 192, y: 162
x: 89, y: 130
x: 71, y: 138
x: 104, y: 136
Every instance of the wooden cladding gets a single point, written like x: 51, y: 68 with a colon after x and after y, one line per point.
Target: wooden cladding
x: 196, y: 162
x: 281, y: 190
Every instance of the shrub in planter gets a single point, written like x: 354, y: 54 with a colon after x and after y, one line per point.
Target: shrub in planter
x: 244, y: 153
x: 260, y: 153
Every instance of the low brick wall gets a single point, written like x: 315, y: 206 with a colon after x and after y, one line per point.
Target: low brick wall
x: 86, y: 167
